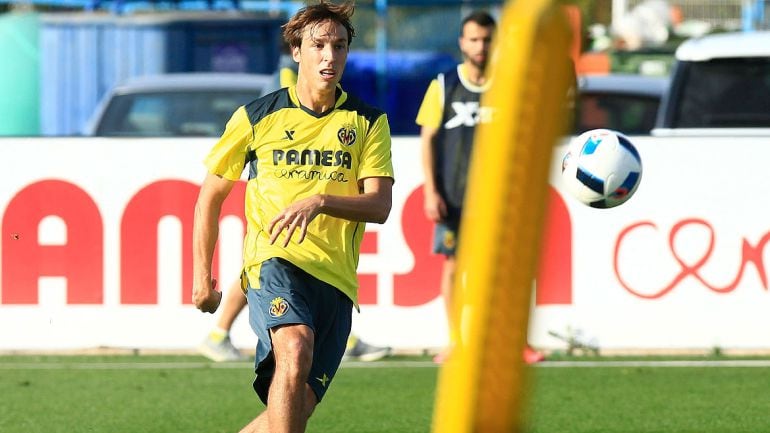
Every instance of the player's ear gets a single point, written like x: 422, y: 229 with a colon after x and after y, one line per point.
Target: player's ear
x: 295, y: 54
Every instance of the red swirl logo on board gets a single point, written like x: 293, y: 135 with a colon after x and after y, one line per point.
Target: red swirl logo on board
x: 689, y: 267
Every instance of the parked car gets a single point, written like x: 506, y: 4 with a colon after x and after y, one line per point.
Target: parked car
x: 720, y: 85
x: 622, y: 102
x: 172, y: 105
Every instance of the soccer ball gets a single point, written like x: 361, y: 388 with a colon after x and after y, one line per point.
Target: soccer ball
x: 601, y: 168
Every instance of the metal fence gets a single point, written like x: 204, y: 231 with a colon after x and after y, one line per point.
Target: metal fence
x: 381, y: 24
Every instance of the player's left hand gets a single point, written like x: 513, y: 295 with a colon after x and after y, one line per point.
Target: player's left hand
x: 297, y: 215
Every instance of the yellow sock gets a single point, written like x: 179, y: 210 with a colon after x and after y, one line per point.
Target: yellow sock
x: 218, y: 334
x: 352, y: 340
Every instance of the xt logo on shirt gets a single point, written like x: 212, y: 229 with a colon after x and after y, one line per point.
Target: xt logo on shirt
x: 289, y: 134
x: 468, y: 114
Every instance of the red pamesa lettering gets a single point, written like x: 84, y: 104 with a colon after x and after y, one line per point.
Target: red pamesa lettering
x: 80, y: 258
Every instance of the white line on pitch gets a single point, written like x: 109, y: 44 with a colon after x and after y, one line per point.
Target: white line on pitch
x: 673, y: 363
x: 53, y: 365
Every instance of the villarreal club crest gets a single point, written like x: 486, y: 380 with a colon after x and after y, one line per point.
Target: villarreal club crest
x: 347, y: 134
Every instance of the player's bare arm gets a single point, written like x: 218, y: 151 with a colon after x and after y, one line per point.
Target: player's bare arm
x: 434, y: 206
x: 213, y: 193
x: 372, y: 205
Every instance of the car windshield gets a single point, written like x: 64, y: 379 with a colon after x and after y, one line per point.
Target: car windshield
x: 179, y: 113
x: 630, y: 113
x: 725, y: 93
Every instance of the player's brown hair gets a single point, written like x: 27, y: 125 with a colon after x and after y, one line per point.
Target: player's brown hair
x: 482, y: 18
x: 313, y: 15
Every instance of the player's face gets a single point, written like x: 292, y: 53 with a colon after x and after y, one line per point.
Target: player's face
x: 475, y: 43
x: 323, y: 54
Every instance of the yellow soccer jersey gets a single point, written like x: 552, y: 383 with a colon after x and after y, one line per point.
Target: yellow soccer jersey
x: 293, y: 153
x: 432, y: 106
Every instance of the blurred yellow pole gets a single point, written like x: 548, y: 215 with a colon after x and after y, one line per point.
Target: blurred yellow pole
x: 481, y: 386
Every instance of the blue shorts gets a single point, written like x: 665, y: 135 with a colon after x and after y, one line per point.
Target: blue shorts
x: 288, y: 295
x: 445, y: 238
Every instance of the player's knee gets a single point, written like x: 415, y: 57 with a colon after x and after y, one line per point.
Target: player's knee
x: 294, y: 356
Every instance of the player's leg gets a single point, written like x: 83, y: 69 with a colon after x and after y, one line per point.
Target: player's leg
x: 281, y: 312
x: 332, y: 312
x: 217, y: 345
x: 257, y: 425
x: 261, y: 424
x: 447, y: 292
x: 302, y: 324
x: 445, y: 243
x: 235, y: 301
x: 288, y: 407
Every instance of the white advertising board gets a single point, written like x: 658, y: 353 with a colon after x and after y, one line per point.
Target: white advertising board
x: 96, y: 251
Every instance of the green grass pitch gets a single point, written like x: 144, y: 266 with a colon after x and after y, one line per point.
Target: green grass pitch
x: 186, y: 393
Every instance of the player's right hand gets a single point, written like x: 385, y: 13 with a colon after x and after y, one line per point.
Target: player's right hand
x: 207, y: 299
x: 435, y: 208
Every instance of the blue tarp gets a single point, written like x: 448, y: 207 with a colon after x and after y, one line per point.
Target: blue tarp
x: 123, y: 6
x: 405, y: 79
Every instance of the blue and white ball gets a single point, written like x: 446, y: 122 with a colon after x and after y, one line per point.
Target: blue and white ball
x: 601, y: 168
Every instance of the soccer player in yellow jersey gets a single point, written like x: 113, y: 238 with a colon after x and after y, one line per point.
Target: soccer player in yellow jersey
x: 319, y: 168
x: 217, y: 345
